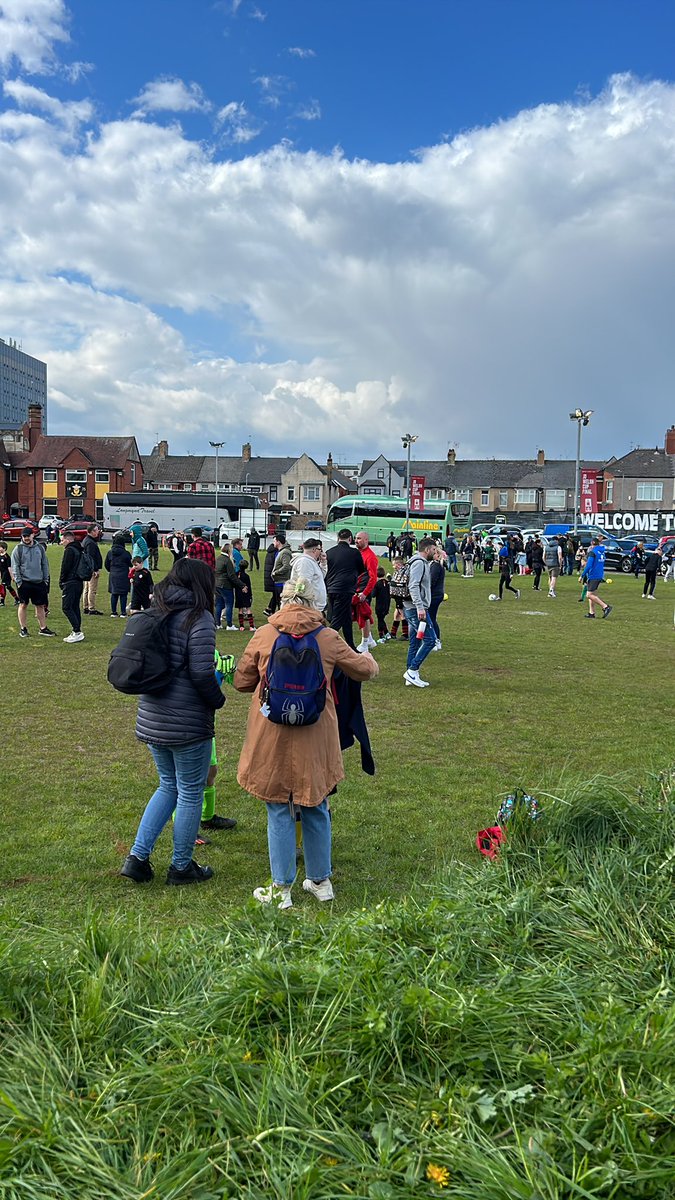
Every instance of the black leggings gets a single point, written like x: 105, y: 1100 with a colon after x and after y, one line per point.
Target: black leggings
x: 650, y: 583
x: 505, y: 582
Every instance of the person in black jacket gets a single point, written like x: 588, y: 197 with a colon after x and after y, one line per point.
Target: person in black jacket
x: 437, y: 578
x: 90, y: 544
x: 270, y: 556
x: 178, y: 725
x: 152, y: 542
x: 536, y: 562
x: 653, y: 562
x: 118, y: 565
x: 345, y: 569
x: 253, y: 539
x: 71, y: 585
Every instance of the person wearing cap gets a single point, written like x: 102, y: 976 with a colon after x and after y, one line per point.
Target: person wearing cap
x: 71, y: 585
x: 30, y: 568
x: 593, y: 576
x: 312, y: 565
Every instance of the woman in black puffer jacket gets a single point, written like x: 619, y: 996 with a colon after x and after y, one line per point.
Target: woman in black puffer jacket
x: 178, y: 724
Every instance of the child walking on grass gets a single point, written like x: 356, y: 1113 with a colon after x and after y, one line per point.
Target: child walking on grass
x: 141, y: 586
x: 382, y: 594
x: 245, y: 597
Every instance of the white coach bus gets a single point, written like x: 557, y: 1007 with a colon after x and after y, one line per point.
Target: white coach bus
x: 238, y: 512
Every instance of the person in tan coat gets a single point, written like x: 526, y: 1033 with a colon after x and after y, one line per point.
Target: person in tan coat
x: 290, y: 767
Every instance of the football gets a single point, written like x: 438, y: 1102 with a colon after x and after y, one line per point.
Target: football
x: 492, y: 596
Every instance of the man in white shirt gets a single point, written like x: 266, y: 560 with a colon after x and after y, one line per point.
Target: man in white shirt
x: 312, y: 565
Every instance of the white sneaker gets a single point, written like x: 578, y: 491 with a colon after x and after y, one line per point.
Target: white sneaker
x: 281, y: 896
x: 371, y: 640
x: 231, y: 628
x: 651, y: 597
x: 412, y: 679
x: 438, y: 645
x: 322, y: 891
x: 517, y: 593
x: 74, y: 637
x: 362, y: 647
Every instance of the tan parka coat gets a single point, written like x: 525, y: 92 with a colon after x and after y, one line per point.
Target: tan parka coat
x: 277, y: 761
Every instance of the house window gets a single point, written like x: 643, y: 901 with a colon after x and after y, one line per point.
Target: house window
x: 132, y: 478
x: 13, y: 475
x: 102, y: 476
x: 434, y: 493
x: 372, y: 491
x: 99, y: 511
x: 380, y: 472
x: 76, y: 508
x: 485, y: 499
x: 49, y: 475
x: 396, y: 494
x: 49, y: 508
x: 290, y: 493
x: 164, y: 487
x: 649, y: 491
x: 556, y: 498
x: 526, y: 495
x: 609, y: 491
x: 273, y: 493
x: 503, y: 499
x: 461, y: 494
x: 76, y: 476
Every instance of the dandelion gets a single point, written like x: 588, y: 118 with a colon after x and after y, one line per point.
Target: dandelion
x: 247, y: 1057
x: 438, y: 1175
x: 330, y: 1162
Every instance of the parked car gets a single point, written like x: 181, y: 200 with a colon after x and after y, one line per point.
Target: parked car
x: 626, y: 545
x: 78, y: 527
x: 314, y: 525
x: 13, y: 528
x: 614, y: 555
x: 47, y: 522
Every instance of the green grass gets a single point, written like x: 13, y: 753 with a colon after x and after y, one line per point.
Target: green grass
x: 534, y: 701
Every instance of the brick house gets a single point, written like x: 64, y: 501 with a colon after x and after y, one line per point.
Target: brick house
x: 643, y: 480
x: 68, y: 476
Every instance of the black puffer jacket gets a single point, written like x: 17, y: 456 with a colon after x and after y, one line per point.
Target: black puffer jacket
x: 270, y: 556
x: 184, y: 711
x: 437, y: 576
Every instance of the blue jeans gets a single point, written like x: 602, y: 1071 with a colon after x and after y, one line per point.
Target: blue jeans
x: 452, y: 563
x: 417, y: 651
x: 122, y: 597
x: 316, y: 841
x: 224, y: 600
x: 182, y: 778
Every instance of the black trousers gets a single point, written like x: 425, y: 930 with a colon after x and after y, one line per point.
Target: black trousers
x: 71, y: 593
x: 650, y: 583
x: 253, y: 556
x: 340, y: 615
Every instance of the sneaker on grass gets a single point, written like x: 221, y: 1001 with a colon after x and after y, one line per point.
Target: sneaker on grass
x: 74, y: 637
x: 23, y: 632
x: 216, y: 822
x: 281, y: 896
x: 138, y: 869
x: 47, y: 632
x: 412, y: 679
x: 192, y: 874
x: 322, y: 890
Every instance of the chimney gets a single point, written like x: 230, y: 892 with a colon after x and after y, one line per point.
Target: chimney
x: 670, y: 440
x: 329, y: 470
x: 34, y: 424
x: 452, y: 455
x: 246, y: 452
x: 541, y: 458
x: 162, y: 449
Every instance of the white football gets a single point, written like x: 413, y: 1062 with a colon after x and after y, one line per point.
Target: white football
x: 492, y: 596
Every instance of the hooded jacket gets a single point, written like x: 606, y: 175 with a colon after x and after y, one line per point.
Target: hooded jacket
x: 184, y: 711
x: 118, y: 565
x: 419, y: 582
x: 277, y: 760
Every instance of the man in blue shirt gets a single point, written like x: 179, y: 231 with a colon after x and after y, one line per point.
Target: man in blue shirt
x: 593, y: 576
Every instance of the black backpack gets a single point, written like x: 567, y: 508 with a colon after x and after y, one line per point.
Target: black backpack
x: 140, y: 662
x: 85, y: 567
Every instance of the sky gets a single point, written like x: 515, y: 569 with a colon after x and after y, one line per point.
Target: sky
x: 319, y: 225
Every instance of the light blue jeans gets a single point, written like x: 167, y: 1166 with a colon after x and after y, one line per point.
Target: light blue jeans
x: 182, y: 778
x: 417, y: 651
x: 316, y: 841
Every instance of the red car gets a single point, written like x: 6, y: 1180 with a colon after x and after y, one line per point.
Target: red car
x: 77, y: 527
x: 15, y: 526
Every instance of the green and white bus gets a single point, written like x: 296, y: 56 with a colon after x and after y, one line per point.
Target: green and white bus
x: 381, y: 515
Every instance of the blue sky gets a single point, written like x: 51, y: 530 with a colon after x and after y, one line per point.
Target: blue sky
x: 314, y: 223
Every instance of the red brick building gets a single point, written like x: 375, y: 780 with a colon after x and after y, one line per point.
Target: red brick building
x: 66, y: 476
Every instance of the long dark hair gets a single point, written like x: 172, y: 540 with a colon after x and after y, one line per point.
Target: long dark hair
x: 194, y: 575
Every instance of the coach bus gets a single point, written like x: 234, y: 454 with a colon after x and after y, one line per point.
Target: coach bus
x: 239, y: 511
x: 381, y: 515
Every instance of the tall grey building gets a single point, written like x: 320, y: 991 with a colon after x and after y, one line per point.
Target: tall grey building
x: 23, y: 381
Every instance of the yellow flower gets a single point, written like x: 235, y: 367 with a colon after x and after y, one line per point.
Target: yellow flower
x: 330, y: 1162
x: 438, y: 1175
x: 247, y: 1057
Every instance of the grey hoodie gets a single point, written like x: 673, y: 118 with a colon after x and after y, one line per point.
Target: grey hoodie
x: 29, y: 564
x: 420, y: 581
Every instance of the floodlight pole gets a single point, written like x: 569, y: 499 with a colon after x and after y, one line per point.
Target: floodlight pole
x: 408, y: 439
x: 581, y: 418
x: 217, y: 446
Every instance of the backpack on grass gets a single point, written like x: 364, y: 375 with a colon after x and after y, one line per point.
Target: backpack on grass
x: 140, y: 662
x: 293, y: 690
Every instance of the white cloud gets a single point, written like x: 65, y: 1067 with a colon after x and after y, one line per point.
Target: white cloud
x: 69, y: 113
x: 309, y: 112
x: 29, y: 31
x: 474, y: 294
x: 236, y: 123
x: 301, y: 52
x: 170, y: 95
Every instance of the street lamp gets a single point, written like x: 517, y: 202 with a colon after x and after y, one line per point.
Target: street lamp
x: 408, y: 439
x: 581, y: 418
x: 217, y: 446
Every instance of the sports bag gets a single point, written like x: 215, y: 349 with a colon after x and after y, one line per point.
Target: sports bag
x: 141, y: 661
x: 400, y: 582
x: 85, y: 567
x: 293, y: 690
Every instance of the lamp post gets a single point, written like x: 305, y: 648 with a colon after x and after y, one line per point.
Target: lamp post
x: 217, y: 446
x: 408, y: 439
x: 581, y: 418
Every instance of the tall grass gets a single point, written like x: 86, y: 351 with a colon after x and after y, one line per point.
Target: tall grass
x: 507, y: 1032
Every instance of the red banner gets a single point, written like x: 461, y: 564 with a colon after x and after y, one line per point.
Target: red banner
x: 588, y: 501
x: 417, y: 493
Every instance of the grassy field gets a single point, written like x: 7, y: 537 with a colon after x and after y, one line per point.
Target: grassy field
x: 524, y: 693
x: 447, y: 1027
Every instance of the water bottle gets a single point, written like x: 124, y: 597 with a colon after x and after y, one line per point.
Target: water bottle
x: 421, y: 630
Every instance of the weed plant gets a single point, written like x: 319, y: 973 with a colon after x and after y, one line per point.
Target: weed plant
x: 507, y: 1032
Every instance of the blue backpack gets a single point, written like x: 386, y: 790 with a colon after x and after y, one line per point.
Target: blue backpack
x: 294, y: 686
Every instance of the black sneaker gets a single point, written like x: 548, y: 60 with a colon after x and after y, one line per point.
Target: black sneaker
x: 590, y: 616
x: 47, y: 632
x: 192, y: 874
x: 138, y: 869
x: 24, y: 633
x: 608, y: 610
x: 216, y: 822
